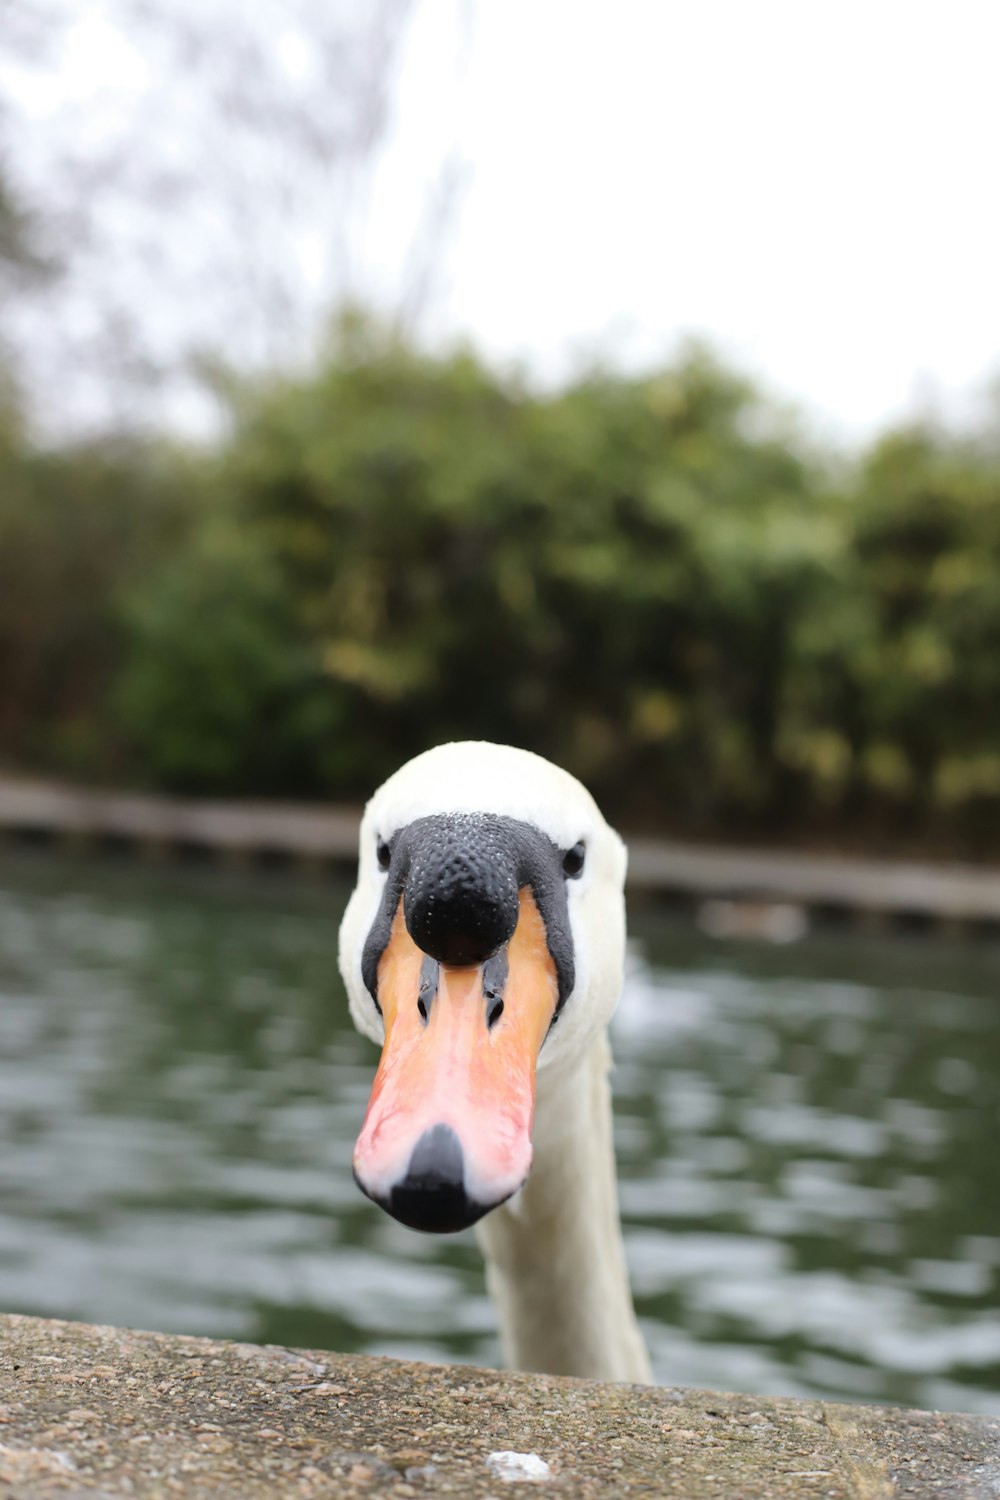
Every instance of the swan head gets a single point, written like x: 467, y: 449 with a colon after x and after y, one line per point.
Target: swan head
x: 483, y: 944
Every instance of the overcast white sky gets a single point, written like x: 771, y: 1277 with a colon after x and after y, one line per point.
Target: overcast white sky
x: 813, y: 184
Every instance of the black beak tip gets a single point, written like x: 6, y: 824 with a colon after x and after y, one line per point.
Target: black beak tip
x: 435, y: 1210
x: 432, y: 1197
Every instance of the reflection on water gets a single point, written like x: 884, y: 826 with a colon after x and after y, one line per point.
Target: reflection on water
x: 807, y: 1139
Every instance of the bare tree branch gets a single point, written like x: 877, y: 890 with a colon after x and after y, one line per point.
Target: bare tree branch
x: 206, y: 172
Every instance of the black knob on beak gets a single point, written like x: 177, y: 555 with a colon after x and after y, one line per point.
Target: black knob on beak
x: 460, y: 896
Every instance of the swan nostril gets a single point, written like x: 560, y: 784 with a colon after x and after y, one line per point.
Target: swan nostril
x: 427, y: 994
x: 494, y: 1012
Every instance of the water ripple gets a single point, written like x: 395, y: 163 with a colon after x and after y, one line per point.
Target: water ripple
x: 807, y: 1141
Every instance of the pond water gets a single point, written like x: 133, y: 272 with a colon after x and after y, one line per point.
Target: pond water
x: 807, y: 1136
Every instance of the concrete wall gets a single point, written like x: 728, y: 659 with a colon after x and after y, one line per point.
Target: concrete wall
x: 106, y: 1412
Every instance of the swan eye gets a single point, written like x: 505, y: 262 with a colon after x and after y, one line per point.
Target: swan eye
x: 573, y: 861
x: 383, y: 854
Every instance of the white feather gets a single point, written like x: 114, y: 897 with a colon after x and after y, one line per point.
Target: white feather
x: 563, y: 1232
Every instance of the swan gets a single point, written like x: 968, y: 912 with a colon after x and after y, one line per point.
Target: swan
x: 483, y: 950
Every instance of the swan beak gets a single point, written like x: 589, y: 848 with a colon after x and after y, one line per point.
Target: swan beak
x: 447, y: 1136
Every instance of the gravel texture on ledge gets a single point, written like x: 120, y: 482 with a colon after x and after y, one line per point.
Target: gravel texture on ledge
x: 107, y: 1412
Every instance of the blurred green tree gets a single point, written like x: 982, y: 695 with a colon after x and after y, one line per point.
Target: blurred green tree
x: 613, y: 575
x: 655, y: 581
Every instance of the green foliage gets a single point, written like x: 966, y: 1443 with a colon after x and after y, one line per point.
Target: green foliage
x: 75, y: 527
x: 209, y: 688
x: 653, y: 581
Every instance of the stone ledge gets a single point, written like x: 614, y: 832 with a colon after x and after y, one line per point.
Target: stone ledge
x: 107, y: 1412
x: 239, y: 831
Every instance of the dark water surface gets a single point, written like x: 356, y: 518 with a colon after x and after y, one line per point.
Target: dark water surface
x: 808, y: 1139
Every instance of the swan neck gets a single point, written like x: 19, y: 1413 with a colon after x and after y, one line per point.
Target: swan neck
x: 555, y: 1262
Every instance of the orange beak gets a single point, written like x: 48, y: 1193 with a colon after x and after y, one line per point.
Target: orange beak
x: 447, y: 1135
